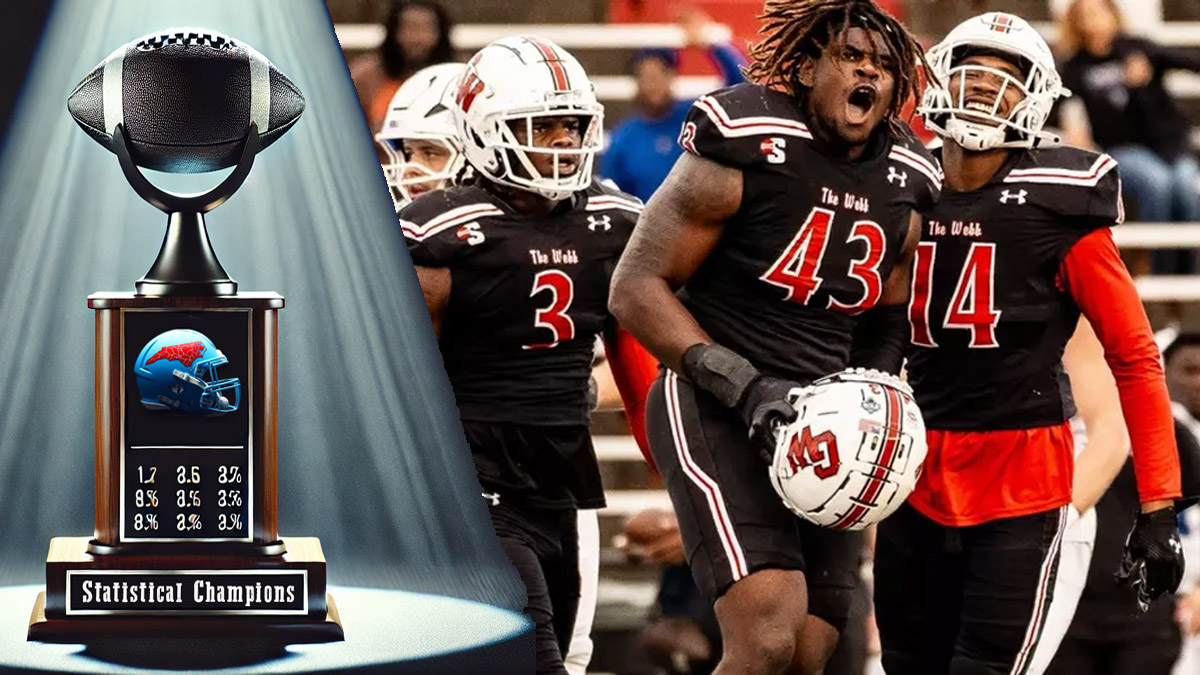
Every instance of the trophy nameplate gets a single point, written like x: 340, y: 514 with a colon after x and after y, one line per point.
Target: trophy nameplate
x: 186, y: 540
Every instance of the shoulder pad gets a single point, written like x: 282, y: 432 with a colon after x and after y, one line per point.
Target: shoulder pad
x: 438, y: 225
x: 729, y: 126
x: 922, y: 183
x: 602, y: 195
x: 1077, y: 184
x: 621, y: 207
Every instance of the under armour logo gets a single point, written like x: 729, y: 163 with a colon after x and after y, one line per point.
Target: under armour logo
x: 492, y: 497
x: 1019, y: 196
x: 894, y: 176
x: 599, y: 221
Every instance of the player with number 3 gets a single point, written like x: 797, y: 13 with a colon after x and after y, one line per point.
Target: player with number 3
x: 515, y: 269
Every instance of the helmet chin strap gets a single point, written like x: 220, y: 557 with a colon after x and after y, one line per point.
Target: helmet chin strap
x: 973, y: 136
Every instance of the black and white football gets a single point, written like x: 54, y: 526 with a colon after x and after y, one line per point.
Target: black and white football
x: 186, y: 98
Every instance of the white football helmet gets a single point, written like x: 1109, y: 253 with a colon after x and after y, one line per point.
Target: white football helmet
x: 520, y: 79
x: 1022, y: 127
x: 854, y: 452
x: 422, y: 108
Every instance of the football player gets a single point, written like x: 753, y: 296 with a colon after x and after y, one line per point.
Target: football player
x: 515, y: 268
x: 1017, y: 248
x: 418, y: 139
x: 786, y: 226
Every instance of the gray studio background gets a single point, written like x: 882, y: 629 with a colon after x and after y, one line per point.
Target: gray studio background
x: 371, y: 456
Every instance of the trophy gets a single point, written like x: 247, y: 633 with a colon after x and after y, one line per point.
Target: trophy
x: 186, y: 541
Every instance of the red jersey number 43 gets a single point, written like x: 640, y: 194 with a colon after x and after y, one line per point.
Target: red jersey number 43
x: 796, y: 270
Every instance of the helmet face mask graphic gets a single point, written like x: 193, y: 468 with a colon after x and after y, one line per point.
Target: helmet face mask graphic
x: 177, y: 372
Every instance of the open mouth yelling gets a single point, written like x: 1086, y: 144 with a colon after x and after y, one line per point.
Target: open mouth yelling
x: 860, y: 104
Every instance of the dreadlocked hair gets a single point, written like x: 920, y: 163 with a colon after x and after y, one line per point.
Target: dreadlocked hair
x: 794, y: 30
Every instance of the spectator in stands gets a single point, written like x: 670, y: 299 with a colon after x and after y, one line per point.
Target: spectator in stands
x: 1181, y: 352
x: 417, y: 34
x: 643, y: 148
x: 1119, y: 80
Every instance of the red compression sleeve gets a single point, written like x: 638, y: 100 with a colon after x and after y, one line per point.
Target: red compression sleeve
x: 634, y: 370
x: 1094, y: 275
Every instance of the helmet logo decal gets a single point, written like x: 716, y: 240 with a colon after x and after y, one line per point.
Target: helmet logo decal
x: 1001, y: 23
x: 819, y: 452
x: 470, y: 87
x: 553, y: 62
x: 185, y: 353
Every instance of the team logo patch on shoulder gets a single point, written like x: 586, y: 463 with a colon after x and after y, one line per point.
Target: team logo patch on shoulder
x: 772, y: 148
x: 471, y: 234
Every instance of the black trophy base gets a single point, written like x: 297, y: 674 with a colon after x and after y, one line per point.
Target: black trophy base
x: 279, y: 630
x: 185, y: 595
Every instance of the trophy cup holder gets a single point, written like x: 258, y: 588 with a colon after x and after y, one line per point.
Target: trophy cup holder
x: 186, y: 263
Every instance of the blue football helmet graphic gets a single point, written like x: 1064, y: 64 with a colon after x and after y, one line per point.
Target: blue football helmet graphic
x: 177, y: 371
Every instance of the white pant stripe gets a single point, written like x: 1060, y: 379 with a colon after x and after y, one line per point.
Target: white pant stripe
x: 1049, y: 572
x: 712, y: 491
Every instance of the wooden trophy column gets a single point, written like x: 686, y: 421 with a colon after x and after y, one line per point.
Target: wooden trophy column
x: 186, y: 541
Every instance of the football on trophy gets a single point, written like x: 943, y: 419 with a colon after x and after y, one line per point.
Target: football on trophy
x: 185, y: 99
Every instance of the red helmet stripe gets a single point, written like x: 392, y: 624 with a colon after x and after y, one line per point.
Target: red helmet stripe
x: 554, y: 62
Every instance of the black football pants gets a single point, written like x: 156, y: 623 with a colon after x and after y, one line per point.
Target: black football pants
x: 544, y: 548
x: 966, y: 600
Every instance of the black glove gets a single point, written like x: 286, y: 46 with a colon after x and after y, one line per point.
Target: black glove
x: 737, y: 384
x: 764, y: 407
x: 1153, y: 561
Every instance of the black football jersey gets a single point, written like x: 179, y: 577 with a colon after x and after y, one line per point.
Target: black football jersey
x: 528, y: 296
x: 989, y: 320
x: 814, y: 239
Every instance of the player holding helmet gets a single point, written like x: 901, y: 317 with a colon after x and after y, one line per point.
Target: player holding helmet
x: 1018, y: 246
x: 418, y: 137
x: 785, y: 227
x: 515, y: 269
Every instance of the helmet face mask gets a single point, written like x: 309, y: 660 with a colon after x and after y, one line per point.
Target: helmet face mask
x: 945, y: 105
x: 421, y: 110
x: 404, y: 173
x: 519, y: 158
x: 516, y: 82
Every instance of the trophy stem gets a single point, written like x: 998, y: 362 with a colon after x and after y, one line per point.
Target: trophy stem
x: 186, y: 263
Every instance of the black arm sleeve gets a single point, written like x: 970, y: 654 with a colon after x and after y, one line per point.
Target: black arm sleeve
x: 880, y: 339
